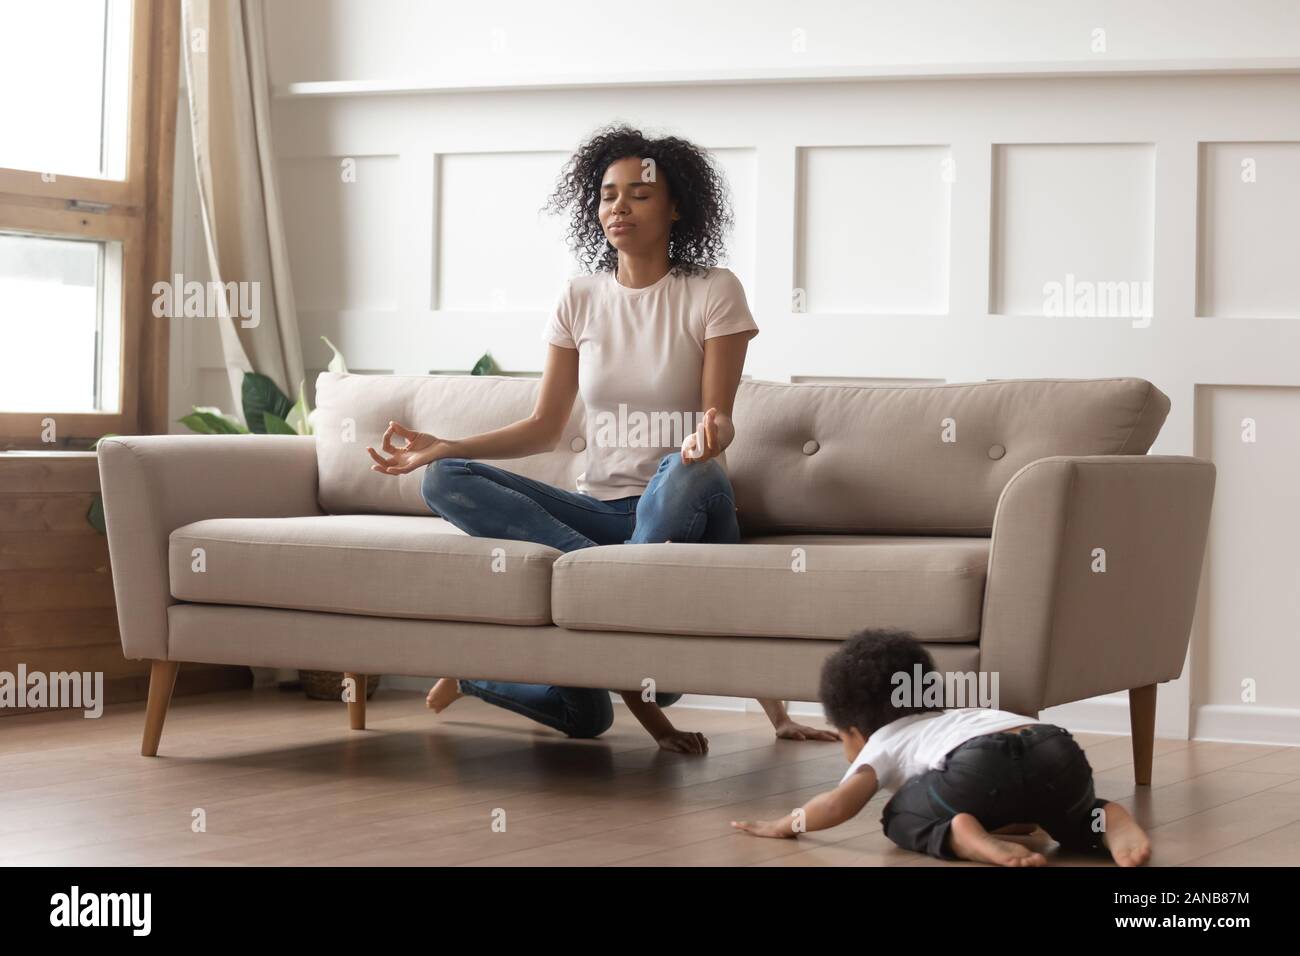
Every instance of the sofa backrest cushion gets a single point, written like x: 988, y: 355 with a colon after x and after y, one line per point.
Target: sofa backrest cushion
x: 915, y: 459
x: 352, y: 412
x: 918, y: 459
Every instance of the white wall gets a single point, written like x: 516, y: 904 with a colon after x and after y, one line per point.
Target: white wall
x: 437, y: 41
x: 921, y: 219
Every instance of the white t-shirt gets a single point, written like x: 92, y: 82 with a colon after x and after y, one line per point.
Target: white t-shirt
x: 911, y: 745
x: 641, y: 357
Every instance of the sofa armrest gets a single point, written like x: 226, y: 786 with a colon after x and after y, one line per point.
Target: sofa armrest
x: 1057, y: 628
x: 154, y: 484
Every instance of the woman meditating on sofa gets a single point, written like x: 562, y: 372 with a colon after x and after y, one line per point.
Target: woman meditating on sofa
x: 653, y: 336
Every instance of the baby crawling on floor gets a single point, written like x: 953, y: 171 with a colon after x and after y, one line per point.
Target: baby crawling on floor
x: 969, y: 783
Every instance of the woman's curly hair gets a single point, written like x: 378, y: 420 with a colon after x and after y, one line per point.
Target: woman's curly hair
x: 697, y: 238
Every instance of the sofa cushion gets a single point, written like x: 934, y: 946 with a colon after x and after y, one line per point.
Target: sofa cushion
x: 352, y: 412
x: 933, y: 587
x: 918, y: 459
x: 385, y: 565
x: 816, y: 457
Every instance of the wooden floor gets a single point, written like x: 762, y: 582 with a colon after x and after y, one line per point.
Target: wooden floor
x: 281, y: 780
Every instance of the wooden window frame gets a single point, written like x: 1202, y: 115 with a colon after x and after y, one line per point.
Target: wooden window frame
x: 135, y: 211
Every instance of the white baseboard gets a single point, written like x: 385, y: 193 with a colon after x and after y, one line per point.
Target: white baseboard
x: 401, y: 682
x: 1108, y: 714
x: 272, y: 676
x: 797, y: 708
x: 1242, y: 724
x: 1247, y: 724
x: 1099, y: 715
x: 1222, y: 723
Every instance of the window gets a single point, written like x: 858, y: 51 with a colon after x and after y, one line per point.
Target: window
x: 60, y: 305
x: 68, y: 59
x: 80, y: 111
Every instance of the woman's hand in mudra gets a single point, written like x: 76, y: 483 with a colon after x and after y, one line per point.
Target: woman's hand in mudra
x: 417, y: 450
x: 703, y: 443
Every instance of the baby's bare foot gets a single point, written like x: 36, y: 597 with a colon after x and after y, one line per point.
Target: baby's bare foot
x: 1026, y: 834
x: 1127, y: 842
x: 970, y: 841
x: 445, y: 693
x: 1017, y: 828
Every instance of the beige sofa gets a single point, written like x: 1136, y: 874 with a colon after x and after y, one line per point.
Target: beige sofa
x: 976, y: 515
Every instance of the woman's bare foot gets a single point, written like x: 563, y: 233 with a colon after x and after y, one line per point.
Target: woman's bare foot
x: 445, y: 693
x: 970, y: 841
x: 1127, y: 842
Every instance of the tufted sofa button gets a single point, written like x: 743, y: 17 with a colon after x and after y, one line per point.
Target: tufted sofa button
x: 996, y: 452
x: 810, y: 447
x: 579, y: 443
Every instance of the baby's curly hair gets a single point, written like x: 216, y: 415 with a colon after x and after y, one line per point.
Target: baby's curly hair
x: 694, y: 180
x: 857, y: 680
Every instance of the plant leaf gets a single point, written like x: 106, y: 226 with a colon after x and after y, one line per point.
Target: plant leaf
x: 300, y: 415
x: 336, y: 363
x: 275, y: 425
x: 230, y: 423
x: 96, y: 513
x: 261, y: 395
x: 211, y: 421
x: 484, y: 366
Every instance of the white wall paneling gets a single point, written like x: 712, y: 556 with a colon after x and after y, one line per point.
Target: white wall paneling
x: 1246, y: 655
x: 860, y: 380
x: 1073, y: 229
x: 401, y: 43
x: 874, y: 229
x: 496, y: 250
x: 739, y: 167
x: 1249, y: 230
x: 835, y: 186
x: 340, y: 218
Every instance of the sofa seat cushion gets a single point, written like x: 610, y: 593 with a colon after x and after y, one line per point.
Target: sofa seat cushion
x: 800, y: 585
x: 383, y: 565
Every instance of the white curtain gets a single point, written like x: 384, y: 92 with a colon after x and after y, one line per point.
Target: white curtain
x: 224, y: 53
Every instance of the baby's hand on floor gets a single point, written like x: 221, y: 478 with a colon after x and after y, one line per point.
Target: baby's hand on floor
x: 780, y: 829
x: 683, y: 742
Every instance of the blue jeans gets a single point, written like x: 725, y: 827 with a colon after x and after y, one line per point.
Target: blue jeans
x: 682, y: 503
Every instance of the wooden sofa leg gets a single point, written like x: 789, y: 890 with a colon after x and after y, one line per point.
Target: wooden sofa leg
x: 357, y: 708
x: 162, y: 680
x: 1142, y: 723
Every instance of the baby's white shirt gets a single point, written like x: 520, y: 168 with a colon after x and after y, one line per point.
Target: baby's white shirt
x: 914, y: 744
